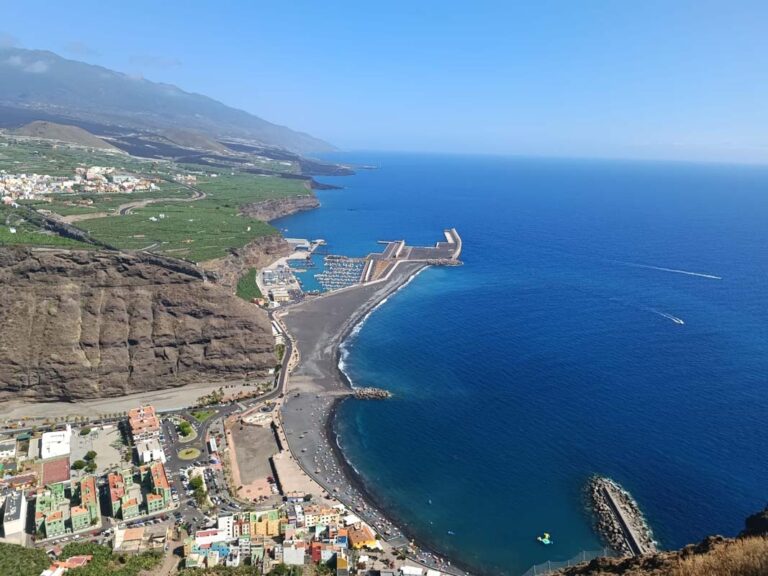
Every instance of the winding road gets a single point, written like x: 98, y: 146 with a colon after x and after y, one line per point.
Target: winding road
x: 125, y: 209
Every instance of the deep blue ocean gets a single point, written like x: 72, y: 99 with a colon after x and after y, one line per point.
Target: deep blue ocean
x: 557, y: 351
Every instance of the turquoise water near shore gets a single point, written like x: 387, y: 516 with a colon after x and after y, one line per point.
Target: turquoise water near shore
x: 557, y: 350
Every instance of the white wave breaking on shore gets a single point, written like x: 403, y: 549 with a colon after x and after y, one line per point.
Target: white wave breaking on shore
x: 343, y: 347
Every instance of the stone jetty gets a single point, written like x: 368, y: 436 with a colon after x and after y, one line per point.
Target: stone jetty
x: 371, y: 394
x: 619, y: 520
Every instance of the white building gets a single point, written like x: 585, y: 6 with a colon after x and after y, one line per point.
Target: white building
x: 55, y: 444
x: 150, y: 451
x: 14, y: 515
x: 205, y: 537
x: 233, y: 560
x: 7, y: 449
x: 226, y: 523
x: 293, y: 553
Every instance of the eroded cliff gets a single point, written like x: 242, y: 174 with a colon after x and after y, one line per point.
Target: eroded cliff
x: 257, y: 254
x: 268, y: 210
x: 90, y: 324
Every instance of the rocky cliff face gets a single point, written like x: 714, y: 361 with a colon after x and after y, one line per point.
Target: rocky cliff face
x: 257, y: 254
x: 90, y: 324
x: 272, y: 209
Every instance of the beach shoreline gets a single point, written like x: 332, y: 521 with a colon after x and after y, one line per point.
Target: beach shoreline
x: 320, y: 333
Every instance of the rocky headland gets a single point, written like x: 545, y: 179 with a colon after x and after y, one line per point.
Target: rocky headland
x: 93, y: 324
x: 274, y: 208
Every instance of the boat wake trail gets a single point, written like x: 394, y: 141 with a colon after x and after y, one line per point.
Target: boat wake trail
x: 674, y: 270
x: 674, y: 319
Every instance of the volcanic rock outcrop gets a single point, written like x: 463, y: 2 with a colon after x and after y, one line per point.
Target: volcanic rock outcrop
x: 91, y: 324
x: 268, y: 210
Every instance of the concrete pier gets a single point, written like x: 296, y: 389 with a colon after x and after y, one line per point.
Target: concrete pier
x: 619, y: 519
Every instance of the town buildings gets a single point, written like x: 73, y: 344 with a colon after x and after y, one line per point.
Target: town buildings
x: 60, y: 510
x: 93, y: 179
x: 280, y: 535
x: 134, y: 493
x: 143, y: 424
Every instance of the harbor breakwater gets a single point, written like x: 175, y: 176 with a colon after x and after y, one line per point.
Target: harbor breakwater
x: 618, y: 518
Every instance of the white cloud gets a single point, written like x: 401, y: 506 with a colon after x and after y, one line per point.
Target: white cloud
x: 15, y: 61
x: 37, y: 67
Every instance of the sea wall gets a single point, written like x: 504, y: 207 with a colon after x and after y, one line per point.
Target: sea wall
x: 618, y: 518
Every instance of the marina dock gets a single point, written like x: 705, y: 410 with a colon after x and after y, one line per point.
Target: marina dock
x: 444, y: 253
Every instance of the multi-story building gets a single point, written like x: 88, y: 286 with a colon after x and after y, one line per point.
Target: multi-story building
x: 79, y: 517
x: 7, y: 449
x: 131, y: 495
x: 88, y: 496
x: 55, y: 515
x: 154, y: 477
x: 361, y: 536
x: 265, y: 523
x: 294, y: 553
x: 150, y: 451
x: 143, y: 423
x: 14, y: 515
x: 315, y: 515
x: 51, y: 511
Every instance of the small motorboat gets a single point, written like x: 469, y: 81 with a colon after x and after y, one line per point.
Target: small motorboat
x: 544, y: 539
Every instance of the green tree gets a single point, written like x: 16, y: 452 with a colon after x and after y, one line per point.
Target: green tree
x: 90, y: 455
x: 78, y: 465
x: 185, y: 428
x: 85, y: 430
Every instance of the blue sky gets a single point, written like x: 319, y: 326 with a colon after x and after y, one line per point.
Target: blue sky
x: 649, y: 79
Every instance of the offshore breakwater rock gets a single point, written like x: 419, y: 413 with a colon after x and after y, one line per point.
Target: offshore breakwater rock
x: 268, y: 210
x: 93, y: 324
x: 371, y: 394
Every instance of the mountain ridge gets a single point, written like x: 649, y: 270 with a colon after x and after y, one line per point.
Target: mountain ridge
x: 44, y: 81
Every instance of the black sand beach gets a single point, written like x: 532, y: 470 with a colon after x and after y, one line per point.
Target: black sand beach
x: 317, y: 386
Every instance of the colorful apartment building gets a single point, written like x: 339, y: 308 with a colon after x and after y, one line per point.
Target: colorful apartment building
x: 143, y: 423
x: 147, y: 492
x: 315, y: 515
x: 57, y: 513
x: 155, y: 480
x: 51, y: 511
x: 265, y: 523
x: 88, y: 495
